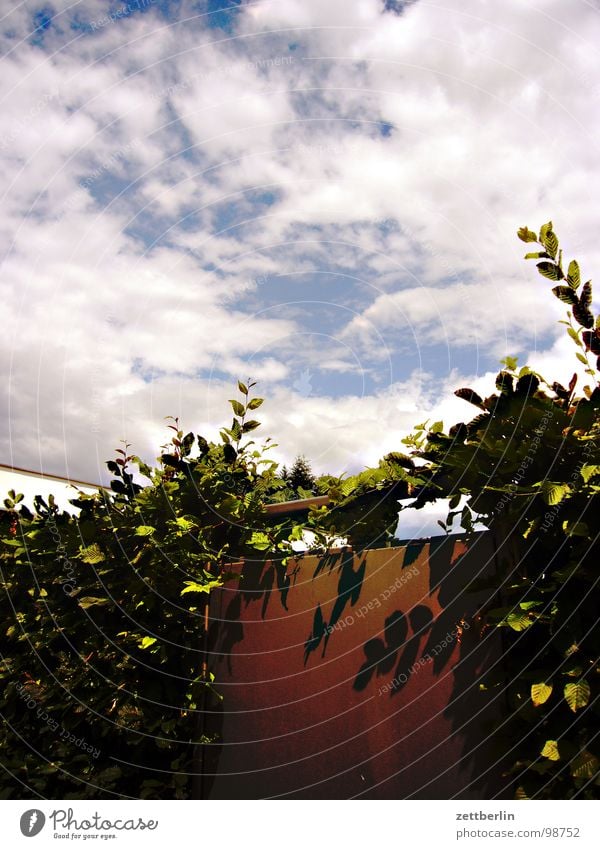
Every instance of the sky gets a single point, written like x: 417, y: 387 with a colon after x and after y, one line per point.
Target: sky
x: 323, y: 197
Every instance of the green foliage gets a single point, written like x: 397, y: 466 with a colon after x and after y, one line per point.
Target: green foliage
x: 102, y: 616
x: 527, y: 466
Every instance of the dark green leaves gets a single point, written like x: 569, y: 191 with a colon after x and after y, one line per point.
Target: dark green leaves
x: 583, y: 315
x: 591, y: 340
x: 229, y: 453
x: 550, y: 270
x: 470, y: 396
x: 504, y: 382
x: 565, y: 294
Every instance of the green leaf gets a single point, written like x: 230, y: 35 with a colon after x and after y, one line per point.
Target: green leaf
x: 581, y: 358
x: 530, y: 605
x: 550, y: 242
x: 549, y: 270
x: 470, y: 396
x: 565, y: 294
x: 466, y: 521
x: 585, y: 765
x: 577, y: 695
x: 540, y: 693
x: 510, y: 362
x: 238, y: 408
x: 143, y: 467
x: 526, y: 235
x: 236, y: 430
x: 193, y: 587
x: 504, y: 382
x: 260, y: 541
x: 583, y: 315
x: 144, y: 531
x: 550, y: 750
x: 586, y: 295
x: 576, y: 529
x: 588, y: 470
x: 544, y: 230
x: 242, y: 387
x: 553, y: 493
x: 255, y: 403
x: 91, y: 554
x: 537, y: 255
x: 437, y: 427
x: 91, y: 601
x: 517, y: 621
x: 147, y: 642
x: 250, y: 425
x: 573, y: 274
x: 574, y: 336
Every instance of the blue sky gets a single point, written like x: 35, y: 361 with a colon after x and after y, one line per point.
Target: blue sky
x: 321, y: 196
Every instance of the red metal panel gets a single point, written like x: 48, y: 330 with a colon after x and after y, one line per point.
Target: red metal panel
x: 353, y: 675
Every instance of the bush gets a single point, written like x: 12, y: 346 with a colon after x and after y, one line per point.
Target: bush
x: 102, y: 618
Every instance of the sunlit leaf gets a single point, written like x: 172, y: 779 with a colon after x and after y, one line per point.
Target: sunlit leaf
x: 237, y: 407
x: 526, y: 235
x: 92, y: 554
x: 577, y: 694
x: 553, y: 493
x: 585, y: 765
x: 550, y: 750
x: 573, y: 274
x: 540, y: 693
x: 91, y: 601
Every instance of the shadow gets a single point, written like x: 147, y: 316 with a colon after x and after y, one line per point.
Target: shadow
x: 348, y: 589
x: 318, y: 632
x: 260, y: 578
x: 421, y: 619
x: 228, y: 633
x: 348, y: 593
x: 381, y: 654
x: 474, y: 715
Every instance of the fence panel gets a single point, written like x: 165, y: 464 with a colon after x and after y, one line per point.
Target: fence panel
x: 355, y: 675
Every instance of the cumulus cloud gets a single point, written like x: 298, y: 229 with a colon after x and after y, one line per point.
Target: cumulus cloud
x: 322, y: 195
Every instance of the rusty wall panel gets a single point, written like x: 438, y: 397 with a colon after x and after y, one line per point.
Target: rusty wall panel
x: 354, y: 676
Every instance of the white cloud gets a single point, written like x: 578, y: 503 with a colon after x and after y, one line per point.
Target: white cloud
x: 400, y: 151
